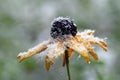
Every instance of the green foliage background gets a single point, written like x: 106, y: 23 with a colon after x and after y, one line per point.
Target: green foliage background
x: 25, y: 23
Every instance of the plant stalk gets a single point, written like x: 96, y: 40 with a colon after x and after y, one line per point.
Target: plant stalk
x: 67, y: 64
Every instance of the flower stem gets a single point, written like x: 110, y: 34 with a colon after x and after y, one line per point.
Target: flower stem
x: 67, y: 64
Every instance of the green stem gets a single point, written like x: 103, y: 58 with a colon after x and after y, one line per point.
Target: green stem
x: 67, y: 64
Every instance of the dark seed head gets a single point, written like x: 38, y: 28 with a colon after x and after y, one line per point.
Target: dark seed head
x: 62, y: 27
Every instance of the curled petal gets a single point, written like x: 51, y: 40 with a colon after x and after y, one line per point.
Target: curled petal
x: 35, y: 50
x: 80, y: 49
x: 99, y: 42
x: 103, y: 45
x: 92, y: 52
x: 54, y: 50
x: 90, y: 49
x: 88, y: 36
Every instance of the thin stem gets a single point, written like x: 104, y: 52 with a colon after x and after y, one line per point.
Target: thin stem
x: 67, y: 64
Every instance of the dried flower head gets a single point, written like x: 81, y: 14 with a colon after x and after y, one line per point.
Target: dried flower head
x: 65, y: 36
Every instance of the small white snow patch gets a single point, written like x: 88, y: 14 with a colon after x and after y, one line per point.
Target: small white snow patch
x: 22, y: 54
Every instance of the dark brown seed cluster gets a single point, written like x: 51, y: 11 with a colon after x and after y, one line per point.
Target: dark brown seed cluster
x: 63, y: 26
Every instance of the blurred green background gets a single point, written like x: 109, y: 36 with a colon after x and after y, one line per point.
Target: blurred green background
x: 25, y: 23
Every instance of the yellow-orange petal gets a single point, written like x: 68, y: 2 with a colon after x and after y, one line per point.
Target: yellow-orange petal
x: 103, y: 45
x: 91, y: 51
x: 54, y: 50
x: 73, y: 44
x: 35, y: 50
x: 94, y: 55
x: 70, y: 54
x: 98, y: 41
x: 85, y: 55
x: 48, y: 63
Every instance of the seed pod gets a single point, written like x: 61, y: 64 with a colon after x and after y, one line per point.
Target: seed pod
x: 63, y: 27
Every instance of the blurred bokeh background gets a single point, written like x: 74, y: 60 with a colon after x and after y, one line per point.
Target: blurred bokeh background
x: 25, y: 23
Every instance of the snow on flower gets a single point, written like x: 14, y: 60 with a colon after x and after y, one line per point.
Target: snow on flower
x: 64, y: 35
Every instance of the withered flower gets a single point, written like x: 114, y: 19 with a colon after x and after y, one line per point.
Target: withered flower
x: 64, y: 35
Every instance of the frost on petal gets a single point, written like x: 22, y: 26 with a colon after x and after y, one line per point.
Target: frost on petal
x: 54, y: 50
x: 83, y: 52
x: 35, y: 50
x: 100, y: 42
x: 86, y: 33
x: 88, y: 36
x: 91, y: 51
x: 76, y: 46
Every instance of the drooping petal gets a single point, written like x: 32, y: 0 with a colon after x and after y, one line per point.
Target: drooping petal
x: 99, y: 42
x: 103, y: 45
x: 84, y: 53
x: 94, y: 55
x: 92, y: 52
x: 76, y: 46
x: 35, y: 50
x: 88, y: 36
x: 90, y: 49
x: 48, y: 63
x: 54, y: 50
x: 70, y: 54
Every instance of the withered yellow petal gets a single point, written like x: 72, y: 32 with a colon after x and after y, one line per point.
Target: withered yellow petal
x: 35, y: 50
x: 54, y: 50
x: 85, y: 55
x: 103, y: 45
x: 48, y: 63
x: 73, y: 44
x: 94, y: 55
x: 100, y: 43
x: 70, y: 54
x: 91, y: 51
